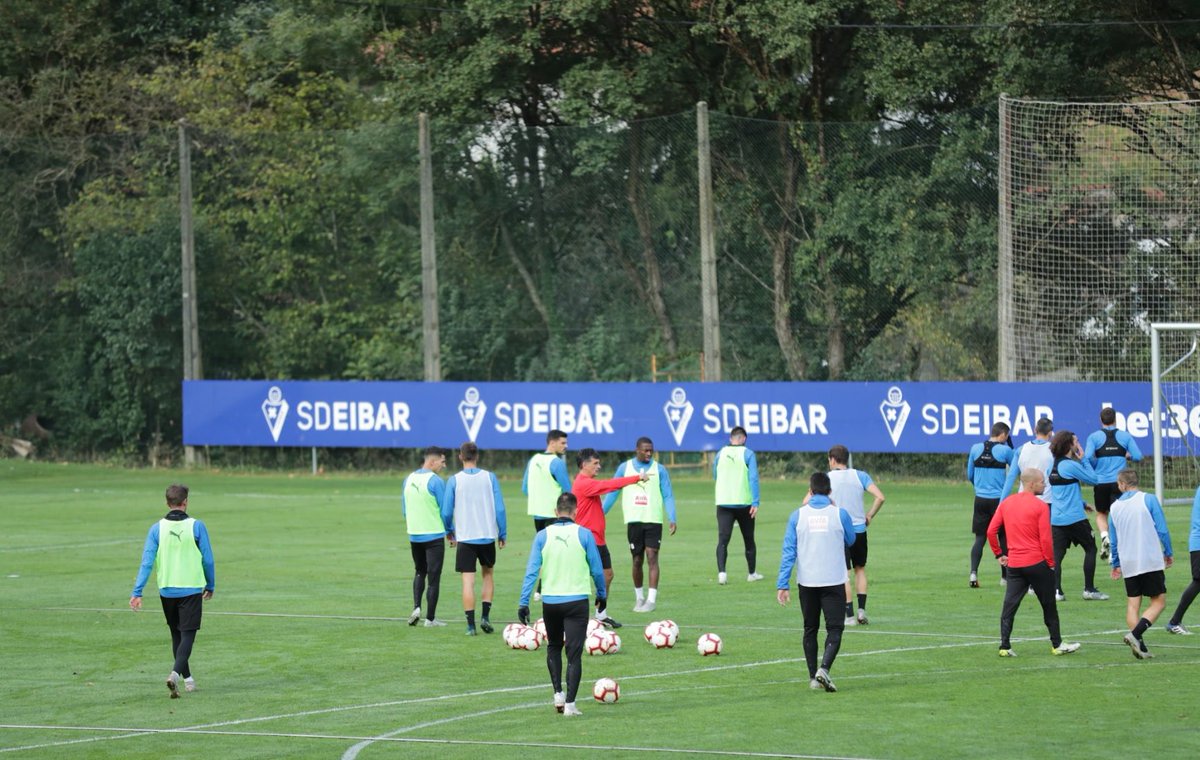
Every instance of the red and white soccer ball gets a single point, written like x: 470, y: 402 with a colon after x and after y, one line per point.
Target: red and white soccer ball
x: 593, y: 626
x: 661, y: 636
x: 527, y: 639
x: 615, y: 642
x: 709, y: 644
x: 672, y: 625
x: 539, y: 627
x: 607, y: 691
x: 510, y: 633
x: 600, y: 642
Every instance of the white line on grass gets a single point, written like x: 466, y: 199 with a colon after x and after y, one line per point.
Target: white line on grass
x: 450, y: 742
x: 88, y: 545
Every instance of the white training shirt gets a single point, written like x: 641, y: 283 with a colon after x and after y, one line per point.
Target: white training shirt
x: 1036, y: 453
x: 1140, y: 549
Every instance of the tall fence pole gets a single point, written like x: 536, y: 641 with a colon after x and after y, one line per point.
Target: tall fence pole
x: 429, y: 284
x: 192, y: 367
x: 710, y: 313
x: 1006, y: 365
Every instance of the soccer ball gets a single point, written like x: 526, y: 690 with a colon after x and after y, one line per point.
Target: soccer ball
x: 593, y: 626
x: 607, y: 691
x: 510, y: 633
x: 672, y: 625
x: 709, y: 643
x: 661, y: 636
x: 527, y: 639
x: 540, y: 628
x: 600, y: 642
x: 614, y: 641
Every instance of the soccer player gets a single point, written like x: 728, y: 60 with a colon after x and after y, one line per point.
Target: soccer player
x: 590, y: 515
x: 1033, y: 453
x: 1141, y: 552
x: 569, y: 561
x: 1175, y: 624
x: 986, y: 465
x: 643, y: 506
x: 1106, y: 451
x: 420, y: 503
x: 1029, y: 559
x: 473, y: 513
x: 544, y: 480
x: 735, y: 470
x: 1068, y: 513
x: 815, y: 543
x: 849, y: 485
x: 180, y: 548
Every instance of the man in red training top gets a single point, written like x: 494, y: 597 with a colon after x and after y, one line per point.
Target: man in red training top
x: 590, y: 515
x: 1025, y: 519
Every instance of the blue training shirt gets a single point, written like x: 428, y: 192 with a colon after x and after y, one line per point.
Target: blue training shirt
x: 1194, y: 534
x: 668, y: 495
x: 788, y: 558
x: 534, y: 567
x: 1107, y: 467
x: 1066, y: 501
x: 752, y: 464
x: 1160, y: 527
x: 150, y: 552
x: 437, y: 487
x: 989, y: 481
x: 558, y: 470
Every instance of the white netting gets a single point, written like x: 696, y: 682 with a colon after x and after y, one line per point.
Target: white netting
x: 1099, y: 211
x: 1175, y: 374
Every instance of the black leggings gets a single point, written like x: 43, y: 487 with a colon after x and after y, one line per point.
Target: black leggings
x: 181, y: 649
x: 977, y: 552
x: 1040, y: 578
x: 569, y: 619
x: 1189, y: 593
x: 815, y: 601
x: 726, y: 516
x: 427, y: 558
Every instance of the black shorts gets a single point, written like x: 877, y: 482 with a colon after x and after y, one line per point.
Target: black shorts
x: 1152, y: 583
x: 984, y: 509
x: 183, y: 612
x: 464, y: 560
x: 643, y: 536
x: 1103, y: 495
x: 605, y: 557
x: 856, y: 555
x: 1078, y: 533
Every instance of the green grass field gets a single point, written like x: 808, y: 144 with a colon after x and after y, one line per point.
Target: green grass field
x: 305, y: 652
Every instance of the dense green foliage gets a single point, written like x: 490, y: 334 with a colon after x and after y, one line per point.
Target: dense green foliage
x: 304, y: 648
x: 854, y: 173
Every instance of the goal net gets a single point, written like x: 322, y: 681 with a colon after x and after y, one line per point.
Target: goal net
x: 1175, y: 413
x: 1099, y: 212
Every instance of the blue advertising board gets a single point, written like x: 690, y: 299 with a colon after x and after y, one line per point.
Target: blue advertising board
x: 878, y: 417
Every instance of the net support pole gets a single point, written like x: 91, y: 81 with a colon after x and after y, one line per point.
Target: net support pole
x: 709, y: 308
x: 1156, y: 411
x: 1005, y: 361
x: 192, y: 368
x: 429, y: 283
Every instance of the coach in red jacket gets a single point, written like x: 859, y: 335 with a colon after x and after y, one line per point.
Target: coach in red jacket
x: 1025, y: 520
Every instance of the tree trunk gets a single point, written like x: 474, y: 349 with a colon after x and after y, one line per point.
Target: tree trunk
x: 781, y: 265
x: 653, y: 283
x: 530, y: 285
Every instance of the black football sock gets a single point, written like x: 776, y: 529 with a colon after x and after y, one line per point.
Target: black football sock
x: 487, y: 610
x: 470, y: 618
x: 862, y: 601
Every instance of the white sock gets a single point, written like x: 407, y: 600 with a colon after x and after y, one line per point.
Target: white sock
x: 653, y: 596
x: 1103, y: 534
x: 637, y: 592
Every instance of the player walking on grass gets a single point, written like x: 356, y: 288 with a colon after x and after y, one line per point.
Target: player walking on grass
x: 986, y: 466
x: 1068, y: 513
x: 178, y: 548
x: 1106, y: 451
x: 1175, y: 624
x: 420, y: 502
x: 568, y: 559
x: 1033, y: 453
x: 1141, y: 552
x: 736, y: 471
x: 473, y: 513
x: 849, y: 485
x: 815, y: 543
x: 1029, y: 558
x: 588, y: 490
x: 643, y: 506
x: 544, y: 481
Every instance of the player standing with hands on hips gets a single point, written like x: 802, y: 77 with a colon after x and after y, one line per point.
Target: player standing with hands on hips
x: 566, y: 556
x: 815, y: 543
x: 736, y: 471
x: 178, y: 546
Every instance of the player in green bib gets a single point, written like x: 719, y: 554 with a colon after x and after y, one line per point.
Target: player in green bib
x: 177, y: 546
x: 736, y: 471
x: 644, y: 506
x: 544, y: 481
x: 421, y: 502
